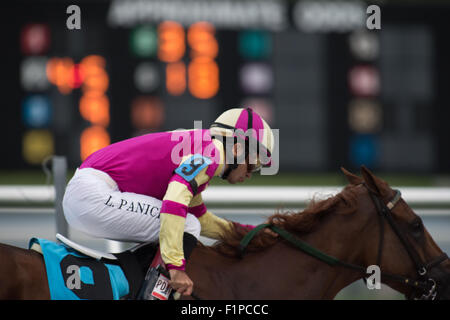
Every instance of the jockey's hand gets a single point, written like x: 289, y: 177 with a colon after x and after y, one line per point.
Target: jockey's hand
x: 180, y: 282
x: 269, y: 231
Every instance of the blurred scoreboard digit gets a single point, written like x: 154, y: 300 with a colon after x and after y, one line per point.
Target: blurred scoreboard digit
x: 170, y: 76
x: 36, y: 110
x: 339, y: 93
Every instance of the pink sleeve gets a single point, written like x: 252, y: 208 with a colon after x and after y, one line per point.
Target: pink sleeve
x: 198, y: 211
x: 248, y: 226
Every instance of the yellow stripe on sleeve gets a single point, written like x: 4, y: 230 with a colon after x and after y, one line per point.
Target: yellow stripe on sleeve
x: 178, y: 192
x: 171, y: 239
x: 196, y: 201
x: 213, y: 226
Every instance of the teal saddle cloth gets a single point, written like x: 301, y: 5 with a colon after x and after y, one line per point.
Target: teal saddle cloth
x: 74, y: 276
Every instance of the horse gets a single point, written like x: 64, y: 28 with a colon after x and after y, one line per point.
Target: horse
x: 366, y: 224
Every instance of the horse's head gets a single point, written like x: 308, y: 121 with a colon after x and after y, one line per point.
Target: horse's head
x: 409, y: 259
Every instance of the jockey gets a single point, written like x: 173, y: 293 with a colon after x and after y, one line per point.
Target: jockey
x: 148, y: 188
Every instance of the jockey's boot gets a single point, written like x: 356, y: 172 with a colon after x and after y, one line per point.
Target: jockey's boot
x: 156, y: 286
x: 189, y: 243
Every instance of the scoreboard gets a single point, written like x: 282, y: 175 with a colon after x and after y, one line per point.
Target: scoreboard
x: 340, y: 94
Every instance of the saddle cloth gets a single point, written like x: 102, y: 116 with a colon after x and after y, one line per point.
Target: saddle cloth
x: 75, y: 276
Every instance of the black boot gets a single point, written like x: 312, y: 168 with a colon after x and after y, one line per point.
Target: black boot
x: 189, y: 243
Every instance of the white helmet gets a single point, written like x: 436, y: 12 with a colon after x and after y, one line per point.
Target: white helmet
x: 246, y: 124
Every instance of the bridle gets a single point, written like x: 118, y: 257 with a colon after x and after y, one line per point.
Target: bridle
x: 424, y: 282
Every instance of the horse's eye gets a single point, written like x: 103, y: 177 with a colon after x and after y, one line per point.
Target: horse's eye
x: 417, y: 227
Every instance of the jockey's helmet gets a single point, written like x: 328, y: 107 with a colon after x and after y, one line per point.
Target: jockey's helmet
x: 244, y: 124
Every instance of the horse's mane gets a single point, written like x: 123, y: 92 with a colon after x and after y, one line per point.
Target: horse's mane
x: 295, y: 222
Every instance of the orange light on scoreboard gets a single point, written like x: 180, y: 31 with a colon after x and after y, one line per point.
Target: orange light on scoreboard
x: 64, y: 74
x: 76, y: 76
x: 202, y: 41
x: 94, y: 105
x: 95, y: 109
x: 203, y: 75
x: 93, y: 139
x: 171, y: 43
x: 176, y: 78
x: 59, y: 72
x: 90, y: 74
x: 93, y: 61
x: 95, y: 77
x: 203, y: 71
x: 147, y: 113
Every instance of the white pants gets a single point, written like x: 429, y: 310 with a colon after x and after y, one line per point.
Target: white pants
x: 94, y: 205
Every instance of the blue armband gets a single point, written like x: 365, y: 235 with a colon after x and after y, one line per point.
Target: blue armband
x: 191, y: 167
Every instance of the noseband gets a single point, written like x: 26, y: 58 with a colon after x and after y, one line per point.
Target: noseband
x: 423, y: 282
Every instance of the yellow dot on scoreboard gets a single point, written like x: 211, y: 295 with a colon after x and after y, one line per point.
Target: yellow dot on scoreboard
x: 37, y: 145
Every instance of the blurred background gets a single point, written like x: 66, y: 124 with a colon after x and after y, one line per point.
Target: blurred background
x: 344, y: 86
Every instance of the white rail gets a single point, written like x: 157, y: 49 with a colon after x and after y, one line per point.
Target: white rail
x: 291, y: 195
x: 279, y: 195
x: 219, y: 211
x: 23, y: 193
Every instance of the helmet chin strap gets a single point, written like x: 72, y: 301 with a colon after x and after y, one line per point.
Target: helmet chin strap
x: 230, y: 168
x: 234, y: 165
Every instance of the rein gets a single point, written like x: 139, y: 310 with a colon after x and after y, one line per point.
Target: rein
x: 384, y: 212
x: 316, y: 253
x: 299, y: 244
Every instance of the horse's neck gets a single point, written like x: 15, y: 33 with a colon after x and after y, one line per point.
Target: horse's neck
x: 339, y: 242
x: 279, y: 272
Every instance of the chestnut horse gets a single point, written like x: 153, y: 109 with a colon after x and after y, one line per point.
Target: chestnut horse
x: 367, y: 223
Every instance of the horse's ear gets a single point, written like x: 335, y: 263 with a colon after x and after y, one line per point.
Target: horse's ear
x: 352, y: 178
x: 372, y: 182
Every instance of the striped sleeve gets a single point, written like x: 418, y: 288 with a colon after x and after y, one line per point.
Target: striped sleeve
x: 172, y: 220
x: 197, y: 207
x: 176, y: 202
x: 213, y: 226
